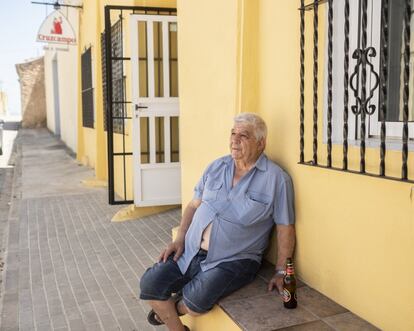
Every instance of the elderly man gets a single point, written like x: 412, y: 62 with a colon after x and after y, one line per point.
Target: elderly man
x: 224, y: 230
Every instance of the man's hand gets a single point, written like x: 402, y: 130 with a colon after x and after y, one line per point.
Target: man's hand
x: 276, y: 282
x: 176, y: 247
x: 285, y: 246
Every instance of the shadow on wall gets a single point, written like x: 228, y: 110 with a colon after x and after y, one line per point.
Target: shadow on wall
x: 32, y: 89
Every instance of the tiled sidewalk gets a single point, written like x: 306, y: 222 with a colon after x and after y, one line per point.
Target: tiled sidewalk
x: 67, y: 266
x: 74, y: 269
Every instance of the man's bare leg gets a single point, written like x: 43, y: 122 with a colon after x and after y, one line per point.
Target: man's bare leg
x: 183, y: 309
x: 167, y: 312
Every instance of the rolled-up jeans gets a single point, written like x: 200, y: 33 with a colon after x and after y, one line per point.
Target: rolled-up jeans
x: 200, y: 289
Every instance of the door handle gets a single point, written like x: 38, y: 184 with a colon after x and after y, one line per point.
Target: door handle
x: 138, y: 107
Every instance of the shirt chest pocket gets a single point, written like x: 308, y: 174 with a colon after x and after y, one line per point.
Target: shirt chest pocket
x: 211, y: 190
x: 251, y: 208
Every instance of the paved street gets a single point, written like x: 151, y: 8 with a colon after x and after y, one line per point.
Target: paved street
x: 67, y: 267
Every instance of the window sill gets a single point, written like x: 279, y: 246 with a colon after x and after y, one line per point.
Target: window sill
x: 391, y: 144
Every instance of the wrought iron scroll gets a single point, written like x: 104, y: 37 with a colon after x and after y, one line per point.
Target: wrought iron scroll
x: 406, y: 91
x: 384, y: 82
x: 330, y: 50
x: 362, y: 106
x: 346, y: 84
x: 362, y: 102
x: 315, y: 83
x: 302, y: 81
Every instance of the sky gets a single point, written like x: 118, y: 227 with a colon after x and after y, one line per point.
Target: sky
x: 19, y: 23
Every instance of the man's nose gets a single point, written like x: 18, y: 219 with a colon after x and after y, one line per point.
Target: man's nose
x: 235, y: 139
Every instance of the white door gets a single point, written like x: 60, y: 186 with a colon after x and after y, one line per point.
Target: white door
x: 157, y: 173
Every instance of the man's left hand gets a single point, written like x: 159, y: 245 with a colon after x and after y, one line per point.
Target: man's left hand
x: 277, y: 283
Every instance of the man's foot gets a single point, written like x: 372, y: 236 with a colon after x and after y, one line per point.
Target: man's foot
x: 154, y: 319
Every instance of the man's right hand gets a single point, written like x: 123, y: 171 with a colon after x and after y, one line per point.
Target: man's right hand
x: 176, y: 247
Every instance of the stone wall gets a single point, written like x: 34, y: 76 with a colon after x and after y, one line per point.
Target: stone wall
x: 32, y: 87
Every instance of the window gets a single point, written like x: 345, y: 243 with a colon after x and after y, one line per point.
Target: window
x: 395, y: 81
x: 369, y: 69
x: 395, y: 64
x: 87, y: 89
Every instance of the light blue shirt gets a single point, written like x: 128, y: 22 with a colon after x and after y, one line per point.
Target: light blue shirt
x: 242, y: 216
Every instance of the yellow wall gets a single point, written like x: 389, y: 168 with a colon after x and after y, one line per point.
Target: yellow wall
x: 208, y: 71
x: 355, y: 233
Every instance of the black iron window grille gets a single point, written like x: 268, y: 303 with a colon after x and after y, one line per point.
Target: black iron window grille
x: 368, y: 83
x: 118, y: 78
x: 87, y: 89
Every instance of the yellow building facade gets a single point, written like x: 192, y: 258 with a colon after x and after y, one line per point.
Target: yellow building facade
x: 355, y: 234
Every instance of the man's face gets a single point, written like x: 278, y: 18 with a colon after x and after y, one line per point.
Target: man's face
x: 243, y: 143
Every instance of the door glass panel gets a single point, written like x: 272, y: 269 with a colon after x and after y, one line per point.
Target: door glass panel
x: 143, y: 60
x: 159, y: 139
x: 158, y: 65
x: 175, y: 154
x: 173, y: 59
x: 144, y: 139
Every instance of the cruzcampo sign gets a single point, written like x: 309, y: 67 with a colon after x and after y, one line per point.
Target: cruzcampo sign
x: 56, y: 29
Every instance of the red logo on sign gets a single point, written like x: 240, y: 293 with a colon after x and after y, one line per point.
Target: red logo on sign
x: 57, y: 26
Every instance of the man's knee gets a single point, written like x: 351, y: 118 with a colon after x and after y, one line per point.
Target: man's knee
x: 146, y: 283
x: 150, y: 287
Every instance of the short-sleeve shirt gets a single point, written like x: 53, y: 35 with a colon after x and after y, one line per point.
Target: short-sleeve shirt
x: 242, y: 216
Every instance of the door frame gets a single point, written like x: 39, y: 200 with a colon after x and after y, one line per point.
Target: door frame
x: 111, y: 153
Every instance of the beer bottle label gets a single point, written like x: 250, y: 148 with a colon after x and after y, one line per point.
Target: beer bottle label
x: 286, y: 295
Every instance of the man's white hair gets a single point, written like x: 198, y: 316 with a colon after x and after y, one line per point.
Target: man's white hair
x: 259, y: 126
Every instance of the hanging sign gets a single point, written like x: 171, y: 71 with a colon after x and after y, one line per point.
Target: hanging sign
x: 56, y: 29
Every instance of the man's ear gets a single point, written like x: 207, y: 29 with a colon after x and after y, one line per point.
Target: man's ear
x: 261, y: 144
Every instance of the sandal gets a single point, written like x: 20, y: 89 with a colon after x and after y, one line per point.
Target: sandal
x: 153, y: 318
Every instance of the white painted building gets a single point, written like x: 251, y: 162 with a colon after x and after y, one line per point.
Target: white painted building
x: 61, y: 80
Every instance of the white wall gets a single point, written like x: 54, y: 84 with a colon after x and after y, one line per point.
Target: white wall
x: 67, y: 65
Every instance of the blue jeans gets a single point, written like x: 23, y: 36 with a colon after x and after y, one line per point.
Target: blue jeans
x: 201, y: 289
